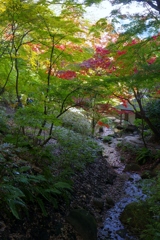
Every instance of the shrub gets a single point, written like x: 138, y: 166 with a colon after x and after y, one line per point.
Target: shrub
x: 76, y: 121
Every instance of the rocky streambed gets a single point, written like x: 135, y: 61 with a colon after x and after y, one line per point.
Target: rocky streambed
x: 131, y: 191
x: 112, y: 227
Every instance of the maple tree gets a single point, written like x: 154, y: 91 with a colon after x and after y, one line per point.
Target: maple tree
x: 40, y: 51
x: 72, y: 63
x: 129, y: 68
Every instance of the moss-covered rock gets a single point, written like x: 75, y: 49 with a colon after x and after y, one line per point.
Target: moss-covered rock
x: 84, y: 223
x: 136, y: 216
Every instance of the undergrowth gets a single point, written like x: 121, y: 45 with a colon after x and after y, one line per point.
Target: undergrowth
x: 34, y: 174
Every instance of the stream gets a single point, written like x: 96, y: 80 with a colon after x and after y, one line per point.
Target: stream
x: 112, y: 228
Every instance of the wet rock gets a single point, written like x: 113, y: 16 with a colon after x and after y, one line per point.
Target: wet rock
x: 132, y: 167
x: 132, y: 140
x: 84, y: 223
x: 119, y: 139
x: 98, y: 203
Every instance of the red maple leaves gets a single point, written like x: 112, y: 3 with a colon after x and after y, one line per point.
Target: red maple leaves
x: 100, y: 60
x: 151, y: 60
x: 69, y: 75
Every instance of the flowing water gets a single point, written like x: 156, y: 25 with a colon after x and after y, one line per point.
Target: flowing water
x: 112, y: 228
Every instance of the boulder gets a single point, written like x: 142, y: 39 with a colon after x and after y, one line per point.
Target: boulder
x: 84, y: 223
x: 134, y: 141
x: 136, y: 216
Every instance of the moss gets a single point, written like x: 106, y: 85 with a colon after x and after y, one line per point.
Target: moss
x: 136, y: 216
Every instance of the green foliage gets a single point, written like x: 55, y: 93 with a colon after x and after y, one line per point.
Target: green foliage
x: 153, y: 112
x: 22, y: 183
x: 152, y: 230
x: 136, y: 216
x: 107, y: 139
x: 43, y: 173
x: 76, y: 149
x: 143, y: 218
x: 105, y: 120
x: 76, y: 121
x: 143, y: 155
x: 3, y: 121
x: 127, y: 147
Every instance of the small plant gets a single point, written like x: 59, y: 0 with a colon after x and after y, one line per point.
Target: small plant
x: 119, y: 145
x: 127, y: 147
x: 143, y: 155
x: 107, y: 139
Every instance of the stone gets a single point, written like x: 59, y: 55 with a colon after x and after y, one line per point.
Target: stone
x: 132, y: 140
x: 98, y: 203
x: 84, y: 223
x: 110, y: 202
x: 119, y: 139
